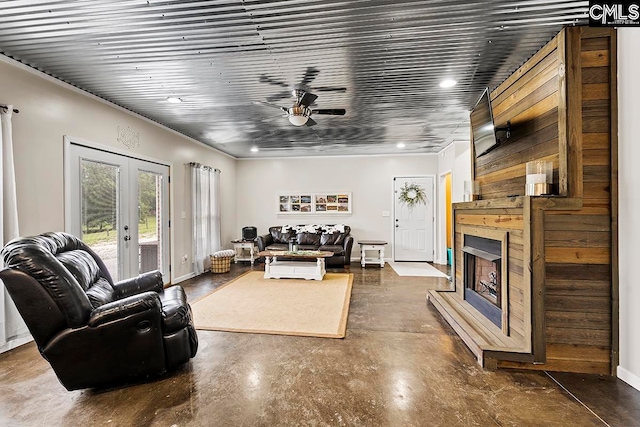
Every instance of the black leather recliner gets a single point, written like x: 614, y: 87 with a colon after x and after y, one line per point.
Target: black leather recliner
x: 94, y: 332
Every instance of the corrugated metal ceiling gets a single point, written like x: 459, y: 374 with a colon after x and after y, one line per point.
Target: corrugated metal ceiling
x: 381, y: 60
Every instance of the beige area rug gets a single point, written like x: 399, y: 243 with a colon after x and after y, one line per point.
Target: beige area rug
x: 251, y: 303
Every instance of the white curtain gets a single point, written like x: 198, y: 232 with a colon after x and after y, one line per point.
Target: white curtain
x: 13, y: 331
x: 205, y: 208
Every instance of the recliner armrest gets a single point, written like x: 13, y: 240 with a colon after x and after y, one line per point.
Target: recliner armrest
x: 264, y: 241
x: 151, y: 281
x: 146, y: 301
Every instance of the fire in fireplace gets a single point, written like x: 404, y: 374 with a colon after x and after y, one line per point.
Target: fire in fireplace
x: 482, y: 276
x: 486, y: 280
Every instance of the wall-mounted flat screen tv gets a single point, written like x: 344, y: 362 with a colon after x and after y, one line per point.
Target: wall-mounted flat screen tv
x: 482, y: 127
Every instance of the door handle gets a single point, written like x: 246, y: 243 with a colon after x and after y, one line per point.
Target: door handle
x: 126, y: 236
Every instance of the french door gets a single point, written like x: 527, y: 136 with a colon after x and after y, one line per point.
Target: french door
x: 119, y: 206
x: 413, y: 236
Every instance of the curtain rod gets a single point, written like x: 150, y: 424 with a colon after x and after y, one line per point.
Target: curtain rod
x: 4, y: 107
x: 198, y: 165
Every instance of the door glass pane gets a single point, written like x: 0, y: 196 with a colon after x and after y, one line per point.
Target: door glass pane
x: 149, y: 221
x: 99, y: 211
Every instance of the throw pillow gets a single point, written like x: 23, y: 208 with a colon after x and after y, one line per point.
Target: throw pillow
x: 338, y: 228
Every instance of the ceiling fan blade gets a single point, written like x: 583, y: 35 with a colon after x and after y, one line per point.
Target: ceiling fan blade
x: 272, y: 81
x: 330, y: 89
x: 273, y: 119
x: 279, y: 96
x: 309, y: 75
x: 268, y: 104
x: 308, y: 99
x: 311, y: 122
x: 331, y: 111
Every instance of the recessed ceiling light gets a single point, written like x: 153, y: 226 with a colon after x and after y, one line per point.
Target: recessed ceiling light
x: 174, y: 100
x: 448, y: 83
x: 254, y: 149
x: 400, y: 145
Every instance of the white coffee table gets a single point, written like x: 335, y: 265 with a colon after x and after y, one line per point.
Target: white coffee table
x: 293, y: 265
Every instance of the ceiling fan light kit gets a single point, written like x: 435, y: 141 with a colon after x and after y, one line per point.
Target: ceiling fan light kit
x: 299, y: 114
x: 298, y: 120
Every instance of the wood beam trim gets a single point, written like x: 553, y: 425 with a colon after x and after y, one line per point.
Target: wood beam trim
x: 534, y: 253
x: 574, y: 112
x: 563, y: 163
x: 506, y: 203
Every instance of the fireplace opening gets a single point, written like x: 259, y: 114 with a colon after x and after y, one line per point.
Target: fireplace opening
x: 482, y: 276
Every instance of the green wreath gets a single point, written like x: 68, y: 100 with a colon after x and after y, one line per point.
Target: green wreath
x: 412, y: 195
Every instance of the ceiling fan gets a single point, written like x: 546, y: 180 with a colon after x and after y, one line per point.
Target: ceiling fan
x: 300, y: 113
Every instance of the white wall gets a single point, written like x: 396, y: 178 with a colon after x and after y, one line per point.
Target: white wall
x: 48, y: 111
x: 462, y: 171
x: 629, y: 203
x: 456, y: 160
x: 369, y: 179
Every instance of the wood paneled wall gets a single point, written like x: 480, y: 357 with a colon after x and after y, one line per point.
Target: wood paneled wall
x: 562, y: 249
x: 529, y: 100
x: 579, y: 280
x: 578, y: 256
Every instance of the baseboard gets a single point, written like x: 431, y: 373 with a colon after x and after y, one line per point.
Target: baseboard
x: 15, y: 343
x: 183, y: 278
x: 357, y: 260
x: 628, y: 377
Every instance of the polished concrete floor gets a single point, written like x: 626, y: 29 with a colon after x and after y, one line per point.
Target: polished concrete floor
x: 399, y: 365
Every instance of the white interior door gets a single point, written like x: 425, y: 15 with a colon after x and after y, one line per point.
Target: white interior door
x: 119, y: 206
x: 413, y: 236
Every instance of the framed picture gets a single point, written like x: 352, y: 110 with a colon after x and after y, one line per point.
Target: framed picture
x: 334, y: 203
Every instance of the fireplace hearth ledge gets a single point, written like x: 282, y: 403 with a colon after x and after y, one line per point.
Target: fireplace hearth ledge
x: 486, y: 341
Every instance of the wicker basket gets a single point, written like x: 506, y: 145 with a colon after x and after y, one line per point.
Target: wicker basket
x: 221, y: 261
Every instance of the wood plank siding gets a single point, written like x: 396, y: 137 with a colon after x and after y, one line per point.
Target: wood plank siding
x: 530, y: 104
x: 496, y: 221
x: 561, y: 275
x: 578, y: 255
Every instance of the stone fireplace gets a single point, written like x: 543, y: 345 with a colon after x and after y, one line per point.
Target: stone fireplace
x: 484, y: 276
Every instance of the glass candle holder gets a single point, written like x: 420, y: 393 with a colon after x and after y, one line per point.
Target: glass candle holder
x: 539, y: 178
x: 471, y: 191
